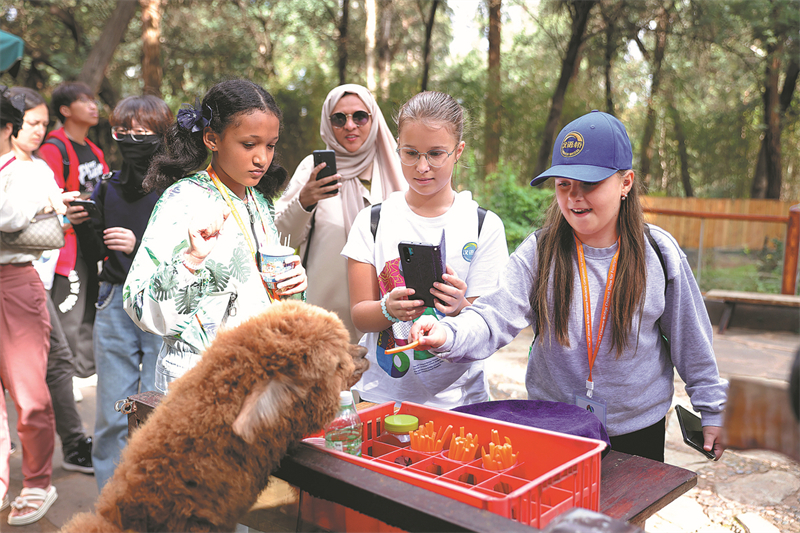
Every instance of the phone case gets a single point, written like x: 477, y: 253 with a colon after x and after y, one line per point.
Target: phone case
x: 329, y: 157
x: 422, y: 264
x: 90, y: 207
x: 692, y: 430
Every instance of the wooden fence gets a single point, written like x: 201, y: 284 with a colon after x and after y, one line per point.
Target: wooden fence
x: 719, y: 233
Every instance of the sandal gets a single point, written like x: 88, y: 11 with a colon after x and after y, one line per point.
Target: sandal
x: 39, y: 500
x: 4, y: 503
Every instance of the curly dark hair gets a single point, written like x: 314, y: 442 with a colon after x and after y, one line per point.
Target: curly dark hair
x: 183, y: 150
x: 12, y: 110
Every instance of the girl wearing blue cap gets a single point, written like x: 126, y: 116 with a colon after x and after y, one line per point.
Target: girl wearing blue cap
x: 604, y: 292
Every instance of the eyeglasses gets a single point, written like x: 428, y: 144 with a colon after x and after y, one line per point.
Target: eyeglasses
x: 435, y: 158
x: 137, y: 135
x: 360, y: 118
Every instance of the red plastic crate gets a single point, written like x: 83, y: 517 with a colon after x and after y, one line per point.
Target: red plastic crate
x: 555, y: 472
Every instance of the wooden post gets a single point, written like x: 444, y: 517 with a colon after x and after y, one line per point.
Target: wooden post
x: 791, y: 249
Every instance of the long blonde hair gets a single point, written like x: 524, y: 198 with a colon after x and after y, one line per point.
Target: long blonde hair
x: 555, y: 246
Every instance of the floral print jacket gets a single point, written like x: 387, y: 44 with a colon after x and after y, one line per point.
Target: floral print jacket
x: 163, y: 297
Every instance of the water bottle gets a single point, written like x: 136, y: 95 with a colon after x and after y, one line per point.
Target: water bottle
x: 344, y: 432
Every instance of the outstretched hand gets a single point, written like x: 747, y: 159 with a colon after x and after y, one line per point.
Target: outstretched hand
x: 204, y: 232
x: 429, y: 332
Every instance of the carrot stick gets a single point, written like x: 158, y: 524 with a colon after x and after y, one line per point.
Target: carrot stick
x: 447, y: 433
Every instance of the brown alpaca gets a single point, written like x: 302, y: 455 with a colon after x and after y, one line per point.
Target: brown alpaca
x: 201, y: 459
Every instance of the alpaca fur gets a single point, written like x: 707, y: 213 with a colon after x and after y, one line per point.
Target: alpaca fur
x: 206, y: 452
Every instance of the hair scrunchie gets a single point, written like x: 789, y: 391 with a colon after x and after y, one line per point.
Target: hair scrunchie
x: 192, y: 118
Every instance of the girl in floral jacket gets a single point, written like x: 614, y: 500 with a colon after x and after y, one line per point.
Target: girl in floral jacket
x: 197, y: 269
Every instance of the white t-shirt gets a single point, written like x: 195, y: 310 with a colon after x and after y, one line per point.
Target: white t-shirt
x: 419, y: 376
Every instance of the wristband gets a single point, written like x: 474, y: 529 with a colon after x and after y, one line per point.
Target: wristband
x: 192, y: 263
x: 389, y: 317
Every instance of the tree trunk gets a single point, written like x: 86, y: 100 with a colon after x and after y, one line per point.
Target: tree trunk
x: 579, y: 12
x: 683, y: 154
x: 492, y: 129
x: 760, y: 185
x: 384, y: 48
x: 151, y: 46
x: 646, y: 155
x: 370, y: 10
x: 342, y: 41
x: 103, y: 50
x: 427, y: 51
x: 609, y: 56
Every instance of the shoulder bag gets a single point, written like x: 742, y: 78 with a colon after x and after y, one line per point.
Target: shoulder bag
x: 43, y: 233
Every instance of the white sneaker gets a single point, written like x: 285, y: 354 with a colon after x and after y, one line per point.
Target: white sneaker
x: 77, y: 394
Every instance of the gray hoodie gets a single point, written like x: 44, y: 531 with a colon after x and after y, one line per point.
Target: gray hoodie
x: 637, y: 387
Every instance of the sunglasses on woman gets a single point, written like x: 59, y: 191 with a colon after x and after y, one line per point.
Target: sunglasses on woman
x: 360, y: 118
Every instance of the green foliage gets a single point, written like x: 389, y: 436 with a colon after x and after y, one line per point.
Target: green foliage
x: 712, y: 73
x: 520, y: 206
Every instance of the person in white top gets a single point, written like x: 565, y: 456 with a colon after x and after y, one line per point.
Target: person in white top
x: 430, y: 143
x: 26, y: 187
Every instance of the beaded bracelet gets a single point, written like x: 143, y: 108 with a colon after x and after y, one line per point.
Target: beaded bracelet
x: 389, y: 317
x: 192, y: 263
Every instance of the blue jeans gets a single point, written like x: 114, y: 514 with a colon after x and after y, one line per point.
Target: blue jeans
x: 119, y: 347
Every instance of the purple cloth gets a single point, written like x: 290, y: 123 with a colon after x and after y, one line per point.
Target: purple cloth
x: 553, y: 416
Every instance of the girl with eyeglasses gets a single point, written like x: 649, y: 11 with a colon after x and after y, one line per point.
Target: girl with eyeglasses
x: 430, y: 127
x: 316, y: 215
x: 138, y: 124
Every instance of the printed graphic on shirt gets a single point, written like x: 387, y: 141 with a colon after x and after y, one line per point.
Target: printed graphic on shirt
x: 397, y: 365
x: 468, y: 251
x: 89, y: 175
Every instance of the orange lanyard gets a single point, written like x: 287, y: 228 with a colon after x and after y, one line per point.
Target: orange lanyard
x: 587, y: 307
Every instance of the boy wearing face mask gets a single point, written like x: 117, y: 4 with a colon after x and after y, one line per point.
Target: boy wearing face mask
x: 138, y: 124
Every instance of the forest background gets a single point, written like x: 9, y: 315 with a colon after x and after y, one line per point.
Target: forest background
x: 705, y: 87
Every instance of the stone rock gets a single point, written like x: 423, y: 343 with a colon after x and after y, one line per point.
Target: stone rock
x: 770, y: 488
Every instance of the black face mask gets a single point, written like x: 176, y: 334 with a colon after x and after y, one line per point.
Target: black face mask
x: 136, y: 157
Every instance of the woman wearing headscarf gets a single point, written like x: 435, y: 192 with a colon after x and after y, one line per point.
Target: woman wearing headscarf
x: 316, y: 215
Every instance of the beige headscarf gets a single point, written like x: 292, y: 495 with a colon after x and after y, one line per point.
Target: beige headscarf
x: 379, y: 148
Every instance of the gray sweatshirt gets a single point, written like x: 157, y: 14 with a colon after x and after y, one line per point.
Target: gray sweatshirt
x: 638, y: 387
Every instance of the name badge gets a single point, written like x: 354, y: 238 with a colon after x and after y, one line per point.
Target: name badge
x: 595, y: 405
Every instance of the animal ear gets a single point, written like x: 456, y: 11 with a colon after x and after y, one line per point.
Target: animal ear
x: 263, y: 406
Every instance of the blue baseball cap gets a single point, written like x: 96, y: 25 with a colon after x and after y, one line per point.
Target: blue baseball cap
x: 591, y: 148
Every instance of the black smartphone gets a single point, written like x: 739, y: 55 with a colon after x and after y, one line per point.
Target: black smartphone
x: 329, y: 158
x: 422, y: 264
x: 89, y: 206
x: 692, y: 429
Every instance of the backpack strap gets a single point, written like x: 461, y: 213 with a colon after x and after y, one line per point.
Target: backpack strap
x: 654, y: 244
x: 375, y: 217
x: 481, y: 216
x: 58, y: 143
x: 656, y: 248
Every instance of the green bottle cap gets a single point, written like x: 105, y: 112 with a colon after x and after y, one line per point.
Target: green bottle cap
x: 401, y: 423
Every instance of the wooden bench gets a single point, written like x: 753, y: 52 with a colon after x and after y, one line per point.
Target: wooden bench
x: 731, y: 298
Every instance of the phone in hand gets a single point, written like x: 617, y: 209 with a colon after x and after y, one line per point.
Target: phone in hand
x: 329, y: 158
x: 422, y: 265
x: 692, y: 430
x: 89, y: 206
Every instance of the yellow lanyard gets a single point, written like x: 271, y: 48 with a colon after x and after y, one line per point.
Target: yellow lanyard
x: 587, y: 307
x: 245, y: 232
x: 221, y: 188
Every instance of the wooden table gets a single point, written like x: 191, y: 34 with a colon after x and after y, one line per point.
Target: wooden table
x: 631, y: 488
